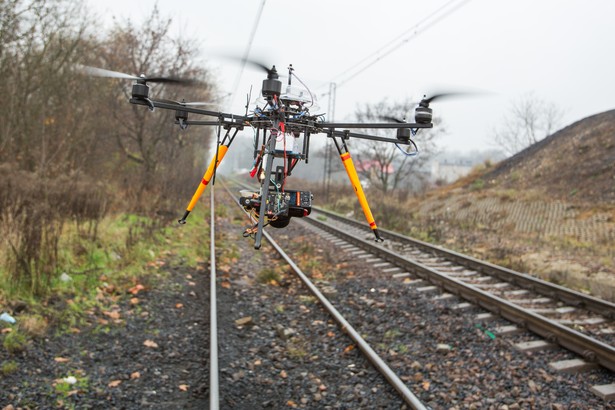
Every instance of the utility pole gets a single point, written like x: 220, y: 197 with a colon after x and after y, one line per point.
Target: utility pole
x: 329, y: 145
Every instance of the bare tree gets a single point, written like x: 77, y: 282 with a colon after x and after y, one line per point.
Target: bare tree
x: 530, y: 120
x: 40, y: 39
x: 155, y: 153
x: 387, y: 166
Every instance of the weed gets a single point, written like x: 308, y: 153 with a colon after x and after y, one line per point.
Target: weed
x: 230, y: 254
x: 306, y: 247
x: 391, y: 334
x: 307, y: 299
x: 101, y: 329
x: 8, y: 367
x: 33, y: 325
x: 313, y: 264
x: 403, y: 349
x: 510, y: 195
x: 267, y: 275
x: 221, y: 211
x: 477, y: 185
x: 297, y: 348
x: 64, y: 387
x: 15, y: 341
x: 296, y: 352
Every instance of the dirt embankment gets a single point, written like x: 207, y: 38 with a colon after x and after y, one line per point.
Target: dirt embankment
x: 548, y: 210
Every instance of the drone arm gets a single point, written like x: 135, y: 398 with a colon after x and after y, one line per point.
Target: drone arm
x: 215, y: 162
x: 358, y: 189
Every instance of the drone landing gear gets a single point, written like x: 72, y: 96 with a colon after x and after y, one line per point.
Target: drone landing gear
x: 221, y: 151
x: 356, y: 184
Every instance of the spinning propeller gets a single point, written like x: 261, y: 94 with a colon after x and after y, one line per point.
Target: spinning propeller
x: 101, y: 72
x: 422, y: 113
x: 140, y: 90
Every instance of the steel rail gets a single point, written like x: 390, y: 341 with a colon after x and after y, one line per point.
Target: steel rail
x: 568, y: 296
x: 214, y: 394
x: 587, y: 347
x: 369, y: 353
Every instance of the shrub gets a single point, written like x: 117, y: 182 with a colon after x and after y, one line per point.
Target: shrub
x: 15, y: 342
x: 33, y: 217
x: 8, y: 367
x: 267, y: 275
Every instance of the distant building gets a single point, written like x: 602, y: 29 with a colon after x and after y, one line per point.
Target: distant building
x: 449, y: 171
x: 450, y: 166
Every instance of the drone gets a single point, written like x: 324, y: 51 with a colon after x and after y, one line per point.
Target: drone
x: 283, y: 126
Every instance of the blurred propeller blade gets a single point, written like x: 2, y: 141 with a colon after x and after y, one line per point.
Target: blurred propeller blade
x: 441, y: 96
x: 257, y: 63
x: 164, y: 100
x: 101, y: 72
x: 173, y: 80
x: 452, y: 94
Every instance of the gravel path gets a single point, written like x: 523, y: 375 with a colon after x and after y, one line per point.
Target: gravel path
x: 290, y: 354
x: 148, y: 354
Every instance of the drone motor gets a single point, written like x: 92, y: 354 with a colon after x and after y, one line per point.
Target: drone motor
x: 423, y: 114
x: 140, y: 89
x: 403, y: 134
x: 271, y: 85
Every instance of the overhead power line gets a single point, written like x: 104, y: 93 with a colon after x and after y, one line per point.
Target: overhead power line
x: 246, y: 52
x: 399, y: 41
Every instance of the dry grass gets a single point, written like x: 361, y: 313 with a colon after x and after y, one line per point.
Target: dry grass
x: 33, y: 216
x: 33, y: 325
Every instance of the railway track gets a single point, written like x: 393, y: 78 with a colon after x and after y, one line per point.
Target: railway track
x: 214, y: 384
x: 389, y: 375
x: 573, y: 320
x: 561, y: 316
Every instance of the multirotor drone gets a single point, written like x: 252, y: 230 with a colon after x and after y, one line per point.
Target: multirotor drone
x: 283, y: 127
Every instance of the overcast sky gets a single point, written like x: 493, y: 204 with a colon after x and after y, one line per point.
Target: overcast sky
x: 561, y: 50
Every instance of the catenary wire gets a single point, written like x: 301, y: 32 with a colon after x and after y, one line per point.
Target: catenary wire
x: 415, y: 31
x: 246, y: 53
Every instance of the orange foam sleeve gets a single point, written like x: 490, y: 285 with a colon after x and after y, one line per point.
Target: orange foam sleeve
x: 207, y: 176
x: 358, y: 189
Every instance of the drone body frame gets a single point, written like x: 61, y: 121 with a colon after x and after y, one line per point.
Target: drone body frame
x: 278, y: 127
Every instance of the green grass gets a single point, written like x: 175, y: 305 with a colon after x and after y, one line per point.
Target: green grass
x: 391, y: 334
x: 296, y: 352
x: 64, y: 388
x: 127, y: 250
x: 15, y: 341
x: 267, y: 275
x: 402, y: 349
x: 307, y: 299
x: 477, y: 185
x: 8, y: 367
